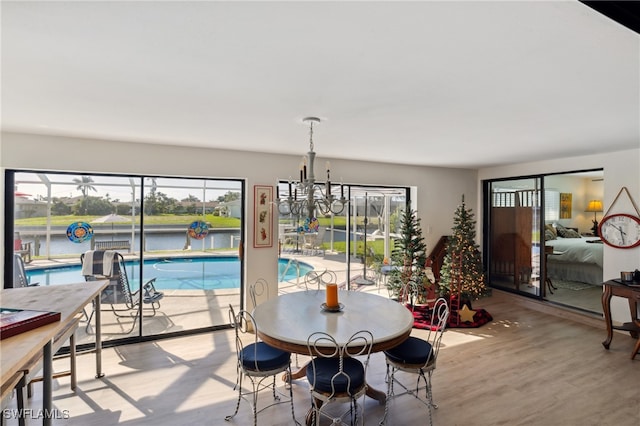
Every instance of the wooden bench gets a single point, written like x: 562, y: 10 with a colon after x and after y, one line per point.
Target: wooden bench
x: 24, y: 378
x: 112, y: 245
x: 17, y: 382
x: 34, y: 365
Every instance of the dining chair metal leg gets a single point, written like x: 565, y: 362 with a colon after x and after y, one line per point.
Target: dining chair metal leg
x: 427, y: 401
x: 239, y: 387
x: 260, y: 364
x: 387, y: 379
x: 417, y: 356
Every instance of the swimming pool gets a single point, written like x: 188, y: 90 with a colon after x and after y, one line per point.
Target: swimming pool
x: 180, y: 273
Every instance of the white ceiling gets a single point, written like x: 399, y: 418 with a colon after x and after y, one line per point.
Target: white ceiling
x: 451, y: 83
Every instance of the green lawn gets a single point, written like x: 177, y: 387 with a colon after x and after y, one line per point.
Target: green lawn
x: 338, y: 221
x: 172, y: 219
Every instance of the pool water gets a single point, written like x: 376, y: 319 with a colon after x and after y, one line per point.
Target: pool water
x: 183, y: 273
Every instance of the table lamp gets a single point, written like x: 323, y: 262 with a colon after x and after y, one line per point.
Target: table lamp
x: 594, y: 206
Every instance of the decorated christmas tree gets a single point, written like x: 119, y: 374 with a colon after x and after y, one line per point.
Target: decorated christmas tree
x: 462, y: 246
x: 408, y: 280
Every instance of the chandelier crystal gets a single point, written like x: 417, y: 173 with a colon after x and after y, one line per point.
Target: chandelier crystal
x: 306, y: 197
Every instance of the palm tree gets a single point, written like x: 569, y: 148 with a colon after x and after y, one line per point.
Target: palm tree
x: 84, y: 185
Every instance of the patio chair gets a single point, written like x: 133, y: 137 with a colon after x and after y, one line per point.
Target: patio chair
x: 335, y: 375
x: 108, y: 264
x: 22, y: 248
x: 313, y: 241
x: 20, y: 278
x: 417, y: 356
x: 258, y: 362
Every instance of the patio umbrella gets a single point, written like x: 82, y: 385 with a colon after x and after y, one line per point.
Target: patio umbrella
x: 111, y: 218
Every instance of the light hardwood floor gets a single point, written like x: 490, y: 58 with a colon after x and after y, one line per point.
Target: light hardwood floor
x: 527, y: 367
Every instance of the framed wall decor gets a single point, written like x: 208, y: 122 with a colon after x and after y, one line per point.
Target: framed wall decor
x: 263, y: 216
x: 565, y: 205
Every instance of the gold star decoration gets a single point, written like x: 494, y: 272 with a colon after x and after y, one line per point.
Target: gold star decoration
x: 466, y: 314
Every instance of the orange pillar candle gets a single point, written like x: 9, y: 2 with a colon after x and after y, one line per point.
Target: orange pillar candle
x: 332, y: 295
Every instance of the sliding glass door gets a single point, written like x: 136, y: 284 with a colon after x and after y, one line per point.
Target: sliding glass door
x: 360, y: 235
x: 539, y: 236
x: 373, y: 223
x: 183, y: 234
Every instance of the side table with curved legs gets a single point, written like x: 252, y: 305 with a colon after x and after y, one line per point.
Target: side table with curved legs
x: 632, y: 294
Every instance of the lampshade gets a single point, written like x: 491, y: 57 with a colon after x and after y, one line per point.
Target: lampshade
x: 594, y: 206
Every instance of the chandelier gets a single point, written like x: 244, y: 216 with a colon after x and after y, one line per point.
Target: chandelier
x: 306, y: 196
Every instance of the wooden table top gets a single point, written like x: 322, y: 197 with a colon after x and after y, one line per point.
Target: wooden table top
x: 287, y: 321
x: 68, y: 299
x: 632, y: 285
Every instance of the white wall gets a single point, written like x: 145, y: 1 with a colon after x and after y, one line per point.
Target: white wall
x: 621, y: 169
x: 438, y: 190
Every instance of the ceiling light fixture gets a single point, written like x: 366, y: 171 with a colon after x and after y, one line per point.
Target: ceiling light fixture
x: 313, y: 197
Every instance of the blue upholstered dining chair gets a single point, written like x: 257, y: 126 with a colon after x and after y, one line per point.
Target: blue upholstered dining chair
x: 258, y: 362
x: 258, y: 290
x: 417, y: 356
x: 335, y: 375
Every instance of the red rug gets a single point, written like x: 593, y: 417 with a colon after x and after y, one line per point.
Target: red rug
x: 422, y: 318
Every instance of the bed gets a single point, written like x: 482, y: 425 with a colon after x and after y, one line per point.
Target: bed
x: 515, y: 259
x: 574, y: 258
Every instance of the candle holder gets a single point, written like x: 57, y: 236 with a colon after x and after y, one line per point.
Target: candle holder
x: 337, y: 308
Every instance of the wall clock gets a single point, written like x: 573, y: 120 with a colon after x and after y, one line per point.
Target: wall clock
x: 620, y: 230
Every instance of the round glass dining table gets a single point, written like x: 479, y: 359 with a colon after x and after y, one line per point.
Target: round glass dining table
x: 286, y: 321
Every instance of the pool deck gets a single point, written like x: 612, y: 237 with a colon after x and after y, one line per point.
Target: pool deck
x: 182, y: 310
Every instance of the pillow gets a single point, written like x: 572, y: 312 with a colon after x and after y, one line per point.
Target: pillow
x: 566, y: 232
x: 549, y: 235
x: 572, y: 234
x: 552, y: 230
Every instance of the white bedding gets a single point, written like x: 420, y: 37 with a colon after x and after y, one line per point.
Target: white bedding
x: 576, y: 250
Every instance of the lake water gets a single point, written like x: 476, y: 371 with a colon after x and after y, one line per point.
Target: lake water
x: 177, y: 241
